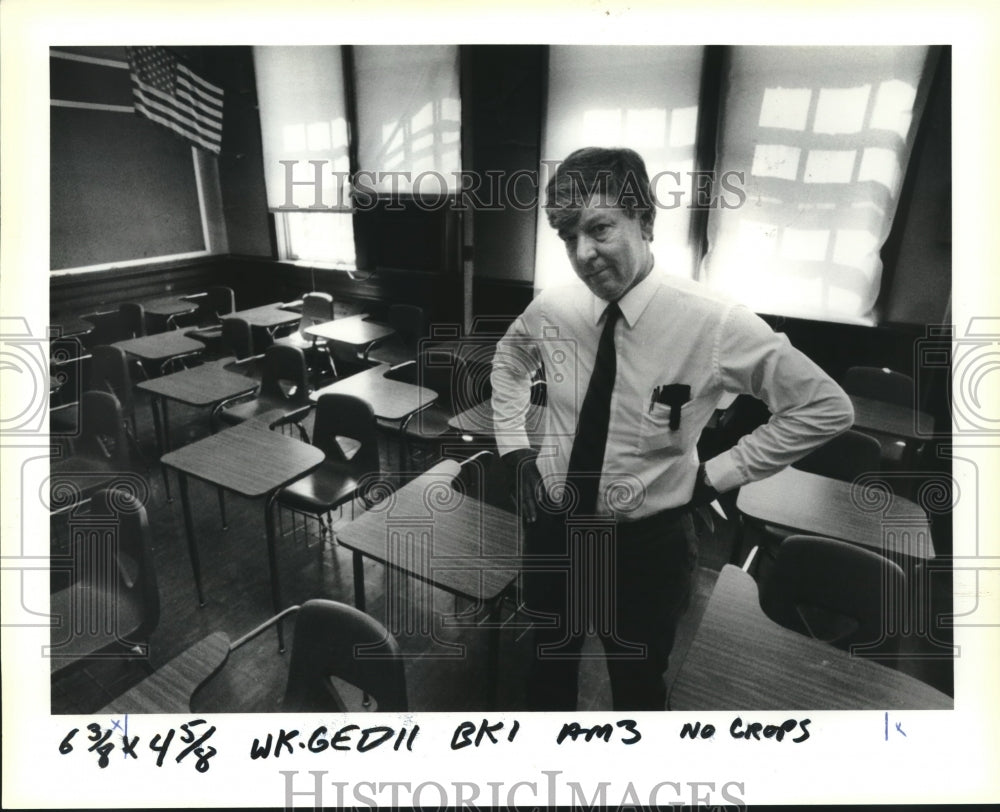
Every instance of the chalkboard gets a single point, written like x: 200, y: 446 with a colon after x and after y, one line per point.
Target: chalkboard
x: 122, y: 189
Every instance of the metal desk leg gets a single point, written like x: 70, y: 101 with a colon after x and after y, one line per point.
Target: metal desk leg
x: 493, y: 655
x: 154, y: 407
x: 359, y: 581
x: 189, y: 529
x: 272, y: 561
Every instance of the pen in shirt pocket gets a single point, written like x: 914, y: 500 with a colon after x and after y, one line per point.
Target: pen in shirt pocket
x: 653, y: 398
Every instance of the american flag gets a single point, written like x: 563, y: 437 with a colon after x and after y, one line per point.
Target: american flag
x: 171, y: 94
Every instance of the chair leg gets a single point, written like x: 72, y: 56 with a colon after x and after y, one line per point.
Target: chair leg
x: 222, y: 507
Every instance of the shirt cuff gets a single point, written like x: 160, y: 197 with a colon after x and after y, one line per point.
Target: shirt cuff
x: 723, y: 473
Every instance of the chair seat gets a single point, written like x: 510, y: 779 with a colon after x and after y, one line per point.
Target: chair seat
x: 430, y: 423
x: 212, y: 333
x: 88, y: 621
x: 300, y: 341
x: 240, y: 412
x: 330, y: 485
x: 391, y: 352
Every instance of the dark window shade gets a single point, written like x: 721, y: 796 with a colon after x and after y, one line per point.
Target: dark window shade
x: 121, y: 189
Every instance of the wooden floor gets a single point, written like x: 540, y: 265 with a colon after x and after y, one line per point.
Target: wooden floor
x: 446, y: 659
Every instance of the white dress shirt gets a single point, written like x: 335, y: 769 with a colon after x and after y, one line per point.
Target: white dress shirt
x: 673, y: 331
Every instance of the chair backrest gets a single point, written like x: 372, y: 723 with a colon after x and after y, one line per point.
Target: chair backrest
x: 409, y: 322
x: 133, y: 553
x: 107, y: 328
x: 847, y: 456
x: 833, y: 591
x: 336, y: 640
x: 237, y: 337
x: 219, y: 301
x: 443, y: 370
x: 347, y: 416
x: 102, y: 431
x: 109, y: 373
x: 132, y: 316
x: 880, y: 384
x: 284, y: 374
x: 317, y: 308
x: 114, y: 601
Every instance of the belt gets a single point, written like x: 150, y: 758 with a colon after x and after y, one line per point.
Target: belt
x: 668, y: 515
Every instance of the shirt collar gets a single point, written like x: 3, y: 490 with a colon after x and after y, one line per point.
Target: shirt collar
x: 634, y: 303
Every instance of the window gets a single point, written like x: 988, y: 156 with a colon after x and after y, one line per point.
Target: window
x: 823, y: 137
x: 642, y: 97
x: 407, y: 137
x: 409, y: 118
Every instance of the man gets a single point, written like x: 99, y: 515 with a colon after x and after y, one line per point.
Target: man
x: 635, y: 363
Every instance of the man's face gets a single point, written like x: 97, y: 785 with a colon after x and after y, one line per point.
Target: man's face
x: 608, y: 250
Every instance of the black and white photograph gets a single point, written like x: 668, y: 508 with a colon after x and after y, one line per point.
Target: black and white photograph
x: 439, y: 415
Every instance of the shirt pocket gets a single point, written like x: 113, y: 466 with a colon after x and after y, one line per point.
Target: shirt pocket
x: 656, y: 436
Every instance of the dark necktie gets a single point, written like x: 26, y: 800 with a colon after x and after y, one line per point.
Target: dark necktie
x: 587, y: 456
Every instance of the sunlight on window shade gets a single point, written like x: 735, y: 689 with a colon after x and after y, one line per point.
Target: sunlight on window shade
x: 881, y: 166
x: 645, y: 128
x: 775, y: 161
x: 894, y: 107
x: 604, y: 127
x: 830, y: 166
x: 321, y: 237
x: 643, y: 97
x: 807, y: 245
x: 300, y: 93
x: 409, y: 113
x: 785, y: 108
x: 318, y: 136
x: 683, y: 126
x: 853, y: 246
x: 830, y: 221
x: 841, y: 110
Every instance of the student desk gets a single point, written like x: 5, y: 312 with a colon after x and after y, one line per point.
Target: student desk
x: 390, y: 400
x: 251, y: 461
x: 170, y: 688
x: 430, y: 532
x: 71, y: 327
x: 203, y: 386
x: 268, y: 317
x: 352, y: 331
x: 801, y: 502
x: 160, y: 348
x: 742, y: 660
x: 891, y: 419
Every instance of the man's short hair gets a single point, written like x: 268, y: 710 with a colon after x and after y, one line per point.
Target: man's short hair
x: 617, y: 176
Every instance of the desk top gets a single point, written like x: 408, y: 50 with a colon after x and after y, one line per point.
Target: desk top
x: 168, y: 306
x: 888, y: 418
x: 170, y: 688
x: 390, y: 400
x: 821, y: 506
x: 742, y: 660
x: 478, y: 420
x: 204, y: 385
x: 160, y: 346
x: 351, y: 330
x: 246, y: 459
x: 268, y: 316
x: 71, y: 326
x: 433, y: 532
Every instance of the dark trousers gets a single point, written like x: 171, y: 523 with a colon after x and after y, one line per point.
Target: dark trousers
x: 629, y: 583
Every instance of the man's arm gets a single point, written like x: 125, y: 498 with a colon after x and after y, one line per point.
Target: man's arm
x: 515, y: 363
x: 807, y: 407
